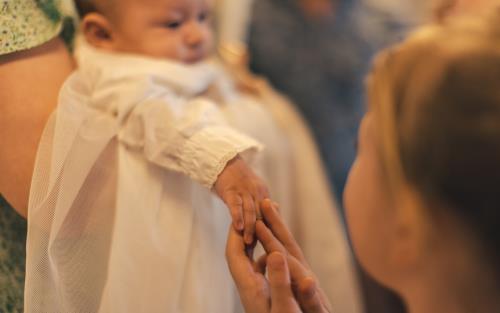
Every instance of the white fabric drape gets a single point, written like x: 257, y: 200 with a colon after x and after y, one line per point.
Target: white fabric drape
x: 120, y: 216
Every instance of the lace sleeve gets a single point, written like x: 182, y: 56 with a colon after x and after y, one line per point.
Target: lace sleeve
x: 187, y: 136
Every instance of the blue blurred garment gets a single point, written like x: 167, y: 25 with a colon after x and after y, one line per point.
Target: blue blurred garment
x: 320, y: 65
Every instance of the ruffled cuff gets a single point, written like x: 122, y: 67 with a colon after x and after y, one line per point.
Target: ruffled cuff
x: 211, y: 149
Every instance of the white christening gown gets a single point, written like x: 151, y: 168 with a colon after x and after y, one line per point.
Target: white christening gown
x: 121, y: 216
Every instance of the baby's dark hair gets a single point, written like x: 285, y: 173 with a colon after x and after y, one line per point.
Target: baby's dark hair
x: 84, y: 7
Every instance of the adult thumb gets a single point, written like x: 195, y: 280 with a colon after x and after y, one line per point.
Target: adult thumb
x: 282, y: 298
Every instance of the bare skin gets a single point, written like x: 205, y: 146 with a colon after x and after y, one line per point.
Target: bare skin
x: 448, y: 8
x: 30, y: 83
x: 318, y: 8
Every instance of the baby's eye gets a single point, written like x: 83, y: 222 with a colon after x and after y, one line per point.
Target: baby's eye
x: 173, y: 24
x: 203, y: 16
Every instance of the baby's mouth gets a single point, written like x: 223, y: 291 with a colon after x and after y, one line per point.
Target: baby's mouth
x: 195, y: 57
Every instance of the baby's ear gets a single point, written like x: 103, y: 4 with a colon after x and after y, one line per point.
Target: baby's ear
x: 98, y: 31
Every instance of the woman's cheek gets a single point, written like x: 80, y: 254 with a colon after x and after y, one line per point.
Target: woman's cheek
x: 362, y: 202
x: 353, y: 203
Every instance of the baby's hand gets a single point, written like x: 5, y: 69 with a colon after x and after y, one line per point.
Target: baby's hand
x: 242, y: 191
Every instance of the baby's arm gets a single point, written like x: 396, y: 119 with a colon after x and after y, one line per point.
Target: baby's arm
x: 192, y: 137
x: 188, y: 136
x: 242, y: 191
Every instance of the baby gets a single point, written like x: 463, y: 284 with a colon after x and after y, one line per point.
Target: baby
x: 179, y: 30
x: 137, y: 148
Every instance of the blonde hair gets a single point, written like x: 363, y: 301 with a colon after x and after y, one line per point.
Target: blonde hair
x: 436, y: 105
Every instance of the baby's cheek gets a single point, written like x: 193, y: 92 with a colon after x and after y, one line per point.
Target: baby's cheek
x: 168, y: 50
x: 209, y: 41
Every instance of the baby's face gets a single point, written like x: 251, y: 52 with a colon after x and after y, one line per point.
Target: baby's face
x: 172, y: 29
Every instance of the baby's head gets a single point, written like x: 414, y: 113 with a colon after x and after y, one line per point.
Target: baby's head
x: 169, y: 29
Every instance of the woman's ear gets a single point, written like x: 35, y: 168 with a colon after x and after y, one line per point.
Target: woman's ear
x: 411, y: 236
x: 98, y: 31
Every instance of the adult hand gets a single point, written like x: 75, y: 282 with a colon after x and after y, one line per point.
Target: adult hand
x: 287, y: 271
x: 256, y: 293
x: 276, y: 238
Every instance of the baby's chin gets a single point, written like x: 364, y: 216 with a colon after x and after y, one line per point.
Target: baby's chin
x: 186, y: 59
x: 195, y: 58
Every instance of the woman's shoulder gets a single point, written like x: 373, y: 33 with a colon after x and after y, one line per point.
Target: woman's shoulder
x: 28, y: 97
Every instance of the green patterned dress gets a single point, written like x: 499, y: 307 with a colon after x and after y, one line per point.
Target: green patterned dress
x: 12, y: 258
x: 24, y: 24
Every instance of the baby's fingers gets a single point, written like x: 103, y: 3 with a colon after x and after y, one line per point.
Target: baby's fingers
x: 262, y: 193
x: 235, y: 204
x: 250, y: 218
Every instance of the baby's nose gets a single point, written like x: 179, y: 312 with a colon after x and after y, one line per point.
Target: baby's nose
x: 194, y: 35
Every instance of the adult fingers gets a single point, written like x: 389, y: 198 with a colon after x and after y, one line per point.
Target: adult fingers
x: 269, y: 242
x: 249, y: 216
x: 276, y: 206
x: 309, y: 297
x: 298, y: 272
x: 252, y: 286
x: 282, y: 298
x: 280, y: 230
x: 240, y: 265
x: 235, y: 204
x: 260, y: 265
x: 249, y: 249
x: 308, y: 293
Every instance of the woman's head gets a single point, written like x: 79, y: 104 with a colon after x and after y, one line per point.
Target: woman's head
x: 423, y: 197
x: 442, y: 9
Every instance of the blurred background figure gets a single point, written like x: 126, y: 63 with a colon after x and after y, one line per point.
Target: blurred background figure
x: 310, y: 50
x: 317, y: 52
